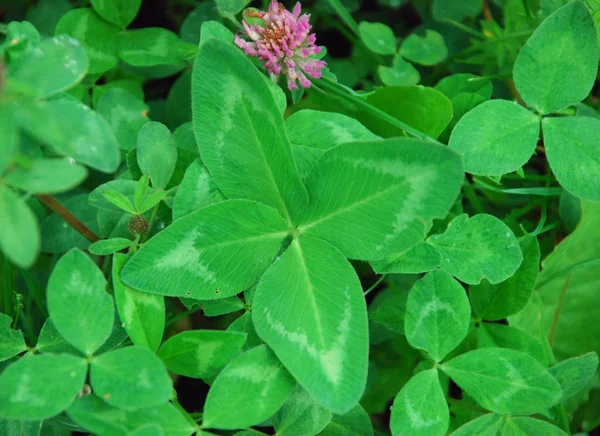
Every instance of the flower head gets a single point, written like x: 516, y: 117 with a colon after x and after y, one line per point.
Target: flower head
x: 284, y: 43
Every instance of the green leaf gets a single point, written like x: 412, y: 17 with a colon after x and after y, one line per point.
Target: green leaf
x: 240, y: 131
x: 142, y: 314
x: 50, y: 341
x: 410, y: 183
x: 20, y: 428
x: 119, y: 200
x: 97, y: 416
x: 496, y: 137
x: 420, y: 408
x: 354, y: 423
x: 428, y: 49
x: 318, y: 327
x: 300, y: 415
x: 462, y: 83
x: 141, y: 189
x: 218, y: 307
x: 125, y: 113
x: 478, y: 247
x: 523, y: 426
x: 254, y: 378
x: 156, y: 153
x: 73, y: 130
x: 401, y: 73
x: 486, y: 425
x: 568, y: 286
x: 130, y: 378
x: 12, y: 340
x: 574, y: 143
x: 455, y: 10
x: 123, y: 187
x: 214, y: 29
x: 118, y: 12
x: 214, y: 253
x: 19, y: 232
x: 503, y: 336
x: 10, y: 136
x: 150, y: 46
x: 495, y: 302
x: 504, y: 381
x: 575, y: 374
x: 231, y: 7
x: 39, y: 387
x: 54, y: 66
x: 197, y: 190
x: 190, y: 28
x: 421, y: 258
x: 133, y: 86
x: 98, y: 37
x: 47, y: 176
x: 201, y: 353
x: 147, y: 430
x: 422, y: 108
x: 313, y: 132
x: 78, y: 304
x: 107, y: 247
x: 557, y: 66
x: 244, y: 325
x: 378, y: 37
x: 437, y: 314
x: 152, y: 200
x: 388, y: 309
x: 179, y: 101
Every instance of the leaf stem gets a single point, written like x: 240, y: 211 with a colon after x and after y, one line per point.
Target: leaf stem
x: 561, y: 301
x: 150, y: 223
x: 7, y: 272
x: 382, y: 278
x: 54, y: 205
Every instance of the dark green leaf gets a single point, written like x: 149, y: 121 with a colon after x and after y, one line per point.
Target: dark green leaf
x: 574, y: 374
x: 119, y: 12
x: 378, y: 37
x: 300, y: 414
x: 197, y: 190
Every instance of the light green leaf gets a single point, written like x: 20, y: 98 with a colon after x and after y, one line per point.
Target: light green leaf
x: 572, y: 147
x: 201, y: 353
x: 130, y: 378
x: 378, y: 37
x: 147, y: 430
x: 240, y: 131
x: 300, y: 415
x: 125, y: 113
x: 152, y: 200
x: 54, y: 66
x: 478, y: 247
x: 410, y: 182
x: 496, y: 137
x: 437, y: 314
x: 142, y: 314
x: 50, y: 341
x: 214, y: 253
x: 401, y: 73
x: 39, y: 387
x: 141, y: 189
x: 119, y: 200
x: 420, y: 408
x: 218, y: 307
x: 12, y: 342
x: 495, y: 302
x: 47, y: 176
x: 98, y: 37
x: 19, y: 232
x: 504, y: 381
x: 428, y: 49
x: 73, y: 130
x: 313, y: 132
x: 254, y: 378
x: 197, y: 190
x: 122, y: 186
x: 423, y: 108
x: 557, y: 66
x: 78, y: 304
x: 455, y: 10
x: 214, y: 29
x: 421, y: 258
x: 574, y: 374
x: 503, y: 336
x: 133, y: 86
x: 9, y: 134
x: 106, y: 247
x: 486, y: 425
x: 568, y: 285
x: 156, y: 153
x: 523, y: 426
x: 354, y: 423
x: 97, y: 416
x: 318, y: 327
x: 245, y: 325
x: 462, y: 83
x: 150, y: 46
x: 231, y: 7
x: 118, y: 12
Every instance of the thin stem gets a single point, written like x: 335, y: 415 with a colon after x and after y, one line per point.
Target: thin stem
x: 34, y: 291
x: 561, y: 301
x: 150, y: 223
x: 382, y: 278
x: 54, y: 205
x: 8, y: 286
x: 182, y: 315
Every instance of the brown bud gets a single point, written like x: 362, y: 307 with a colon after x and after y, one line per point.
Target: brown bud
x: 138, y: 225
